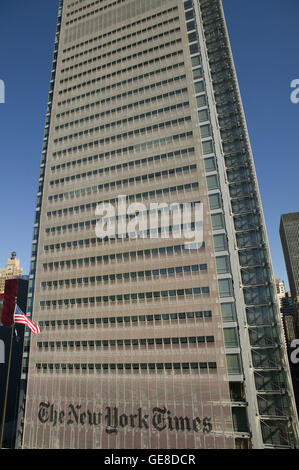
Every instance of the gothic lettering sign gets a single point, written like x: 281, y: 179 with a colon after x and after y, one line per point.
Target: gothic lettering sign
x: 113, y: 420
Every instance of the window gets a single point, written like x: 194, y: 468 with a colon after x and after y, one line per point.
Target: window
x: 208, y: 147
x: 212, y: 182
x: 220, y: 243
x: 222, y: 263
x: 190, y: 25
x: 205, y: 131
x: 230, y: 338
x: 194, y: 48
x: 199, y: 87
x: 201, y: 100
x: 189, y: 15
x: 215, y: 201
x: 228, y: 311
x: 192, y: 36
x: 225, y: 287
x: 233, y: 364
x: 217, y: 221
x: 203, y: 115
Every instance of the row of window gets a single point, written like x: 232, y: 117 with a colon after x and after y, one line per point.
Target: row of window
x: 143, y: 367
x: 165, y: 232
x: 90, y: 5
x: 144, y: 131
x: 125, y: 321
x: 132, y: 198
x: 122, y: 38
x: 142, y: 179
x: 174, y: 250
x: 116, y: 63
x: 93, y: 206
x: 143, y: 146
x: 105, y: 101
x: 126, y: 165
x: 128, y: 26
x: 91, y: 13
x: 119, y: 343
x: 111, y: 76
x: 113, y: 86
x: 120, y: 50
x: 220, y: 243
x: 129, y: 297
x: 150, y: 114
x: 133, y: 276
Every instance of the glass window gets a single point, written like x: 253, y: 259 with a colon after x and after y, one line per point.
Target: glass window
x: 190, y: 25
x: 195, y: 60
x: 225, y: 287
x: 205, y: 131
x: 203, y: 115
x: 194, y: 48
x: 197, y: 74
x: 201, y: 100
x: 192, y: 36
x: 215, y: 201
x: 217, y: 221
x: 228, y: 311
x: 230, y: 338
x: 222, y: 263
x: 189, y: 15
x: 199, y: 87
x: 208, y: 147
x: 212, y: 182
x: 220, y: 243
x: 233, y: 363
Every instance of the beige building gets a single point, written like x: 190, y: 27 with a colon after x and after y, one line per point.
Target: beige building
x: 146, y: 344
x: 12, y: 269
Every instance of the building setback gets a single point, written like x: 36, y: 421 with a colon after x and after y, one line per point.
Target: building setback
x: 144, y: 343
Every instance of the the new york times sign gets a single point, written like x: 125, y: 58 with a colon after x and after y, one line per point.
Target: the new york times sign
x: 160, y: 419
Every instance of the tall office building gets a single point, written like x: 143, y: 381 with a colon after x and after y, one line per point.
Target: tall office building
x: 145, y: 343
x: 289, y: 235
x: 12, y: 269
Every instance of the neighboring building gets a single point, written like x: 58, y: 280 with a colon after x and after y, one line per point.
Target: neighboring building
x: 288, y: 313
x: 11, y: 385
x: 146, y: 344
x: 289, y: 235
x: 12, y: 269
x: 280, y: 288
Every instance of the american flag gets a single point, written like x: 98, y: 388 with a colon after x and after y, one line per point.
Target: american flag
x: 21, y: 318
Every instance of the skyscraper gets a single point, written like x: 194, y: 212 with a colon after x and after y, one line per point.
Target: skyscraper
x: 11, y: 270
x: 146, y: 343
x: 289, y: 235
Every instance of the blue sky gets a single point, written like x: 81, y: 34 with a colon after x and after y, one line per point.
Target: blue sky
x: 264, y: 37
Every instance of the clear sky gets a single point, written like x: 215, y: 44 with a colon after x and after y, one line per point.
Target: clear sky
x: 264, y: 37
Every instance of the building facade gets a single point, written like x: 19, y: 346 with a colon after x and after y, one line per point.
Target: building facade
x: 11, y: 270
x: 289, y: 236
x: 11, y: 386
x: 146, y: 343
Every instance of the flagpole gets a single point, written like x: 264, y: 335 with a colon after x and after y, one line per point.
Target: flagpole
x: 6, y: 387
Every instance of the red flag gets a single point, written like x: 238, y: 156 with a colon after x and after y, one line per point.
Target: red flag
x: 9, y: 302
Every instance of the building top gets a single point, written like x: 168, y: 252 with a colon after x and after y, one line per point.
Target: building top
x: 11, y: 270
